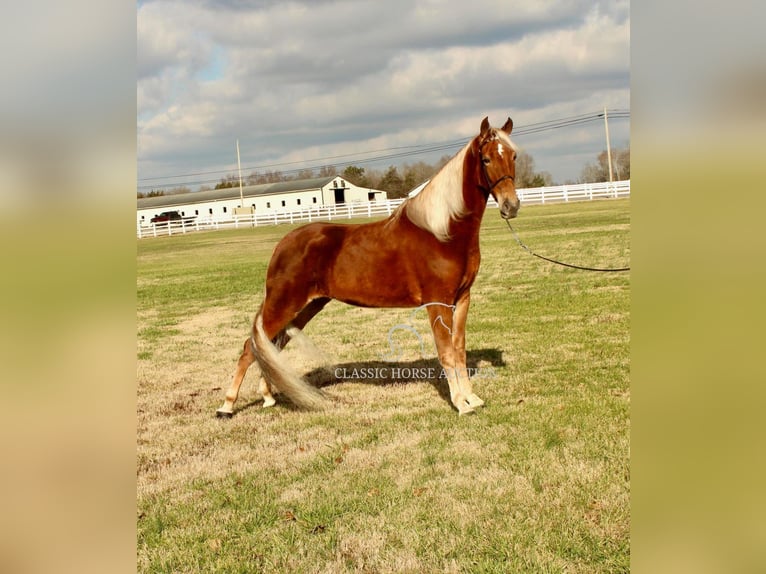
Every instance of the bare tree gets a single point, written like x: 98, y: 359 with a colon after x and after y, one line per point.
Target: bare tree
x: 621, y: 159
x: 272, y: 177
x: 599, y: 171
x: 442, y: 162
x: 525, y: 170
x: 417, y: 173
x: 374, y: 176
x: 327, y: 171
x: 305, y: 173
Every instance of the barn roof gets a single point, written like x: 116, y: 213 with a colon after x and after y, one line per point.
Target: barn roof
x: 233, y: 192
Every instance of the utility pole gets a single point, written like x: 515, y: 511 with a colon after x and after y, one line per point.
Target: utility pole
x: 239, y: 168
x: 608, y: 147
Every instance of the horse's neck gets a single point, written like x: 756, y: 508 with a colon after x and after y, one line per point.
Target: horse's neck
x: 476, y: 205
x: 474, y: 198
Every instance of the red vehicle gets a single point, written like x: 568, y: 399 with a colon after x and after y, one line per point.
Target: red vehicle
x: 167, y: 216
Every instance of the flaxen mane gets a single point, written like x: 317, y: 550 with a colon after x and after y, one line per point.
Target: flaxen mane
x: 441, y: 200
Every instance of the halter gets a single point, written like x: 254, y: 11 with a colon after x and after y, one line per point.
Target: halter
x: 486, y: 173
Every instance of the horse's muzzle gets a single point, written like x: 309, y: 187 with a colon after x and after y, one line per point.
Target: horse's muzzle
x: 509, y: 209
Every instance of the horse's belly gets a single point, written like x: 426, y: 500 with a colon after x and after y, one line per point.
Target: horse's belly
x: 374, y: 290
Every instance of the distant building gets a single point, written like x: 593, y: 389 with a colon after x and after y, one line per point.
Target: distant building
x: 259, y: 199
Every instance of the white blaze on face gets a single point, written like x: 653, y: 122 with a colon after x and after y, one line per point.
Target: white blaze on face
x: 500, y: 149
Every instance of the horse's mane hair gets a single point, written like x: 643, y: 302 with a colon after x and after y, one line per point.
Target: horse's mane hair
x: 441, y: 200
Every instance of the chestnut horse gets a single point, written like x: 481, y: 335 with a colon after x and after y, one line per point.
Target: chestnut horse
x: 427, y: 251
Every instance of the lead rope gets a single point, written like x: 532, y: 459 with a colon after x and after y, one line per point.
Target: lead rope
x: 527, y: 249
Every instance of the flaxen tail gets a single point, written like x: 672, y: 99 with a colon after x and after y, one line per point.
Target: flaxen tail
x: 279, y: 374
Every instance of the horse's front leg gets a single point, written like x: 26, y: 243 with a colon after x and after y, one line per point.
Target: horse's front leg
x: 458, y: 343
x: 441, y: 319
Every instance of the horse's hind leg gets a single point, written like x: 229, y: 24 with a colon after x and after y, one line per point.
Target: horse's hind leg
x: 309, y: 311
x: 280, y: 339
x: 299, y: 320
x: 283, y: 337
x: 246, y: 359
x: 295, y: 327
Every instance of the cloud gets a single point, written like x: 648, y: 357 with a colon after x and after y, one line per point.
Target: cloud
x: 295, y: 76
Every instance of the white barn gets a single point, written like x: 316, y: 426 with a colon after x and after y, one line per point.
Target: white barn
x: 285, y: 196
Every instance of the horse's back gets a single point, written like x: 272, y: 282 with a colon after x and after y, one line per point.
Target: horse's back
x: 322, y: 239
x: 309, y: 245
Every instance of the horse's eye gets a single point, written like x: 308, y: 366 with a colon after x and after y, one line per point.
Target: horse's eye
x: 485, y: 160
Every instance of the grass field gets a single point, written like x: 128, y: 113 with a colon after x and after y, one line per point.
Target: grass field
x: 391, y: 479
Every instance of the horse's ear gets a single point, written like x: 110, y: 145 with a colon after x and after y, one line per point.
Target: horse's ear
x: 484, y: 126
x: 508, y: 126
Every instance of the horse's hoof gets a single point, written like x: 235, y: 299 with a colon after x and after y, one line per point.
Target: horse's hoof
x: 268, y: 402
x: 464, y: 408
x: 474, y: 401
x: 221, y: 414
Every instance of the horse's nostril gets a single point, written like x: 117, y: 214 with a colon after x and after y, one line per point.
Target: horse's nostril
x: 509, y: 208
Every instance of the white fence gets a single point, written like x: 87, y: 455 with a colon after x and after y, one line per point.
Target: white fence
x: 576, y: 192
x: 532, y: 195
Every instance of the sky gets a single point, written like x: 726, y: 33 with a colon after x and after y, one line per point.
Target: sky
x: 373, y: 83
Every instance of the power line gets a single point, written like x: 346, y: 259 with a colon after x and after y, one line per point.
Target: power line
x: 387, y: 153
x: 283, y: 163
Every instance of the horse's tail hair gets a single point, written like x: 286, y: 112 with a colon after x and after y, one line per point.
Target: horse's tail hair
x: 279, y: 374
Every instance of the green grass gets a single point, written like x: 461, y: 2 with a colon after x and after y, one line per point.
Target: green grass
x: 391, y: 479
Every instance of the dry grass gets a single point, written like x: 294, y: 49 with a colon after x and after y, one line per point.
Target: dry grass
x: 390, y: 479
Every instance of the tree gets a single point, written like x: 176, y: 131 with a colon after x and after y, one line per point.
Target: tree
x: 409, y: 182
x: 230, y: 180
x: 374, y: 176
x: 537, y: 181
x: 599, y: 171
x: 621, y: 160
x: 392, y: 183
x: 525, y: 170
x: 417, y: 173
x: 305, y: 173
x: 526, y: 176
x: 356, y: 175
x: 266, y: 177
x: 442, y: 162
x: 152, y: 193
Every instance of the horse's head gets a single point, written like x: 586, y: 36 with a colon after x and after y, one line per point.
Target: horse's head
x: 497, y: 156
